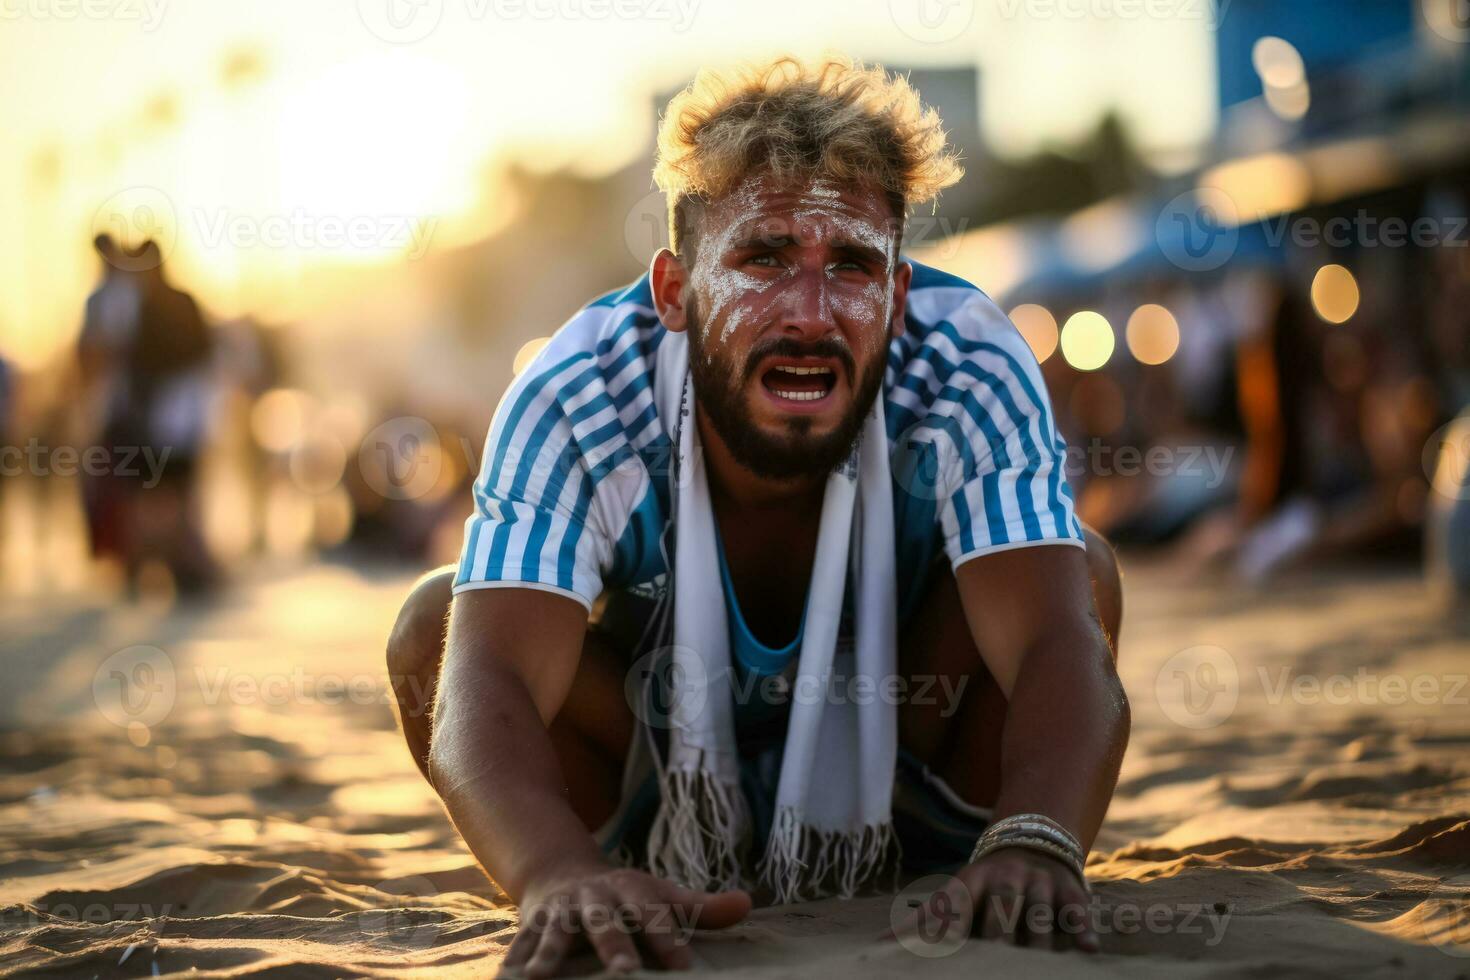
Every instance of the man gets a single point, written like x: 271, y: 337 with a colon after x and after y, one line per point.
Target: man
x: 754, y: 463
x: 146, y: 358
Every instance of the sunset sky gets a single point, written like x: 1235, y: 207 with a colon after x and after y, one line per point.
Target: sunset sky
x: 262, y: 139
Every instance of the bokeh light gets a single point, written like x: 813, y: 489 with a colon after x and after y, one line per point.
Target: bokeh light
x: 1087, y: 340
x: 1278, y: 62
x: 1290, y: 103
x: 1038, y: 327
x: 278, y: 419
x: 1153, y: 334
x: 1283, y: 77
x: 1335, y: 294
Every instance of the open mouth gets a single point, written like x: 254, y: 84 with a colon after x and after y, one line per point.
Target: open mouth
x: 800, y: 384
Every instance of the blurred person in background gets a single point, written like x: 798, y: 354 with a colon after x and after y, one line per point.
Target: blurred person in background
x: 145, y: 356
x: 1334, y: 416
x: 7, y: 398
x: 104, y: 397
x: 7, y: 407
x: 1446, y: 281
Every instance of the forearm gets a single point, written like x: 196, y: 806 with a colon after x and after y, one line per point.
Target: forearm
x: 494, y: 765
x: 1066, y: 728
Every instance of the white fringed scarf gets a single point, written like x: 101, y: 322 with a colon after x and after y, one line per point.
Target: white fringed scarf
x: 832, y: 830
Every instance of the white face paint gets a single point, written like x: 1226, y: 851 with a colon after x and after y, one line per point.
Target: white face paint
x: 821, y: 205
x: 819, y: 216
x: 720, y: 284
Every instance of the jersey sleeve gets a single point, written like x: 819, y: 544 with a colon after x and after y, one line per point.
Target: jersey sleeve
x: 995, y: 461
x: 558, y: 480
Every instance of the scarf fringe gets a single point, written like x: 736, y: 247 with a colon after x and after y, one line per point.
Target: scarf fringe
x: 699, y: 836
x: 802, y: 863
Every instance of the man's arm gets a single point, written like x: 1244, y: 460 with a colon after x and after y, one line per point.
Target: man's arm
x: 1032, y: 615
x: 509, y: 661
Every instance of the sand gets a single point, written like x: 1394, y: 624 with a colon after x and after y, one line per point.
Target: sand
x: 262, y: 819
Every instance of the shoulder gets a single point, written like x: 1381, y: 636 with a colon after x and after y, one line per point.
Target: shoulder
x: 588, y: 396
x: 958, y: 346
x: 609, y: 347
x: 943, y: 309
x: 617, y: 327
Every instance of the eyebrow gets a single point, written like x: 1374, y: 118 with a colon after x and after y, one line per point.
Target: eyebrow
x: 857, y: 249
x: 866, y: 252
x: 757, y: 240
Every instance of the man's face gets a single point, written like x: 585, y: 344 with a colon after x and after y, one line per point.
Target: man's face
x: 792, y: 297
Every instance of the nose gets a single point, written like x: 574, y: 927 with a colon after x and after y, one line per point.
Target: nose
x: 807, y: 313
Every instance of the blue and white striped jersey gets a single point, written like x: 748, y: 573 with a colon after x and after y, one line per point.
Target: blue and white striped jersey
x: 574, y: 488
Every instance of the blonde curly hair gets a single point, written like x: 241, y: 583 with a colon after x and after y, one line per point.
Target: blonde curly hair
x: 836, y: 119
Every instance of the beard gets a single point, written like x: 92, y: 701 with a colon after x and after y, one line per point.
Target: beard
x: 720, y: 391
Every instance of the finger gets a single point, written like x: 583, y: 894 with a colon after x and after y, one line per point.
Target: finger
x: 713, y: 910
x: 662, y: 924
x: 528, y: 935
x: 1002, y: 911
x: 1000, y: 903
x: 668, y: 945
x: 609, y: 935
x: 521, y: 948
x: 550, y: 951
x: 1073, y: 907
x: 1036, y: 929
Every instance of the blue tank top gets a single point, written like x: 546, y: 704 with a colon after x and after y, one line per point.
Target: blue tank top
x: 759, y: 719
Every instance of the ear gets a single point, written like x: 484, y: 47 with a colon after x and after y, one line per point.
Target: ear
x: 670, y: 280
x: 903, y: 275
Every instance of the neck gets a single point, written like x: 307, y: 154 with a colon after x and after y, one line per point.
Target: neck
x: 735, y: 485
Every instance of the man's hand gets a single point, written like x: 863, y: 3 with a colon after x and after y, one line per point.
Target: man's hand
x: 1016, y: 895
x: 608, y: 907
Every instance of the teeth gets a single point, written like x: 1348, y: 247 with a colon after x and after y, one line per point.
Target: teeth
x: 802, y: 396
x: 804, y: 370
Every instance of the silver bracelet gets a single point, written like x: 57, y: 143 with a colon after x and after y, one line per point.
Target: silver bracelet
x: 1048, y: 831
x: 1037, y: 832
x: 1035, y: 818
x: 1066, y: 855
